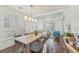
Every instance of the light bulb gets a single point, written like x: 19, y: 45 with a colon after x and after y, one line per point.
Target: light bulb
x: 35, y: 20
x: 25, y: 17
x: 30, y: 19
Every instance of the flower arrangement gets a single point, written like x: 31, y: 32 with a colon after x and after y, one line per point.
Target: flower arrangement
x: 70, y: 36
x: 35, y: 32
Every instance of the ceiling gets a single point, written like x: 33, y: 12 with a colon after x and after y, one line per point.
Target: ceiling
x: 37, y: 9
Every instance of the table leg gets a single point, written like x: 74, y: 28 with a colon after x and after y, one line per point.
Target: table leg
x: 28, y: 48
x: 16, y: 46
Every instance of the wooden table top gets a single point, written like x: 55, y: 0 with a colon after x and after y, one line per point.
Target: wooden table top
x: 29, y: 38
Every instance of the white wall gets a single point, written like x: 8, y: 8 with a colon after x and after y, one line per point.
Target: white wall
x: 72, y: 17
x: 21, y: 22
x: 31, y: 26
x: 40, y: 25
x: 4, y: 12
x: 45, y: 23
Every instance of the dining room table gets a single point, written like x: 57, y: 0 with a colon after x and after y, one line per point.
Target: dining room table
x: 29, y: 39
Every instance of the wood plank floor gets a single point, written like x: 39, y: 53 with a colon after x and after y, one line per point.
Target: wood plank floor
x: 8, y: 50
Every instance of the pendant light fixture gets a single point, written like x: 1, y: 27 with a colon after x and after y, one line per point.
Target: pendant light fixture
x: 31, y: 18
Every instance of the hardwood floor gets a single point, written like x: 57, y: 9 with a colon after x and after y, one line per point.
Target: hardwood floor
x: 8, y: 50
x: 64, y: 48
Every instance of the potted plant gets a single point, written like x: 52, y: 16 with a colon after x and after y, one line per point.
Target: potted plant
x: 70, y: 37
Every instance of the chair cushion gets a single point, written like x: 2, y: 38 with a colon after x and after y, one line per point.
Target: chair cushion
x: 37, y: 46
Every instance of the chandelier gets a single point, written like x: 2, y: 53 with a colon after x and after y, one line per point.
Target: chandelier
x: 31, y: 18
